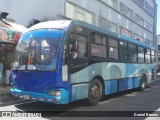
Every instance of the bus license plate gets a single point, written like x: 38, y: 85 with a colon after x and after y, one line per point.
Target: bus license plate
x: 26, y: 96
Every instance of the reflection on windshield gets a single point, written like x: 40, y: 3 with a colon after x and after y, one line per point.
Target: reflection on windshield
x: 38, y: 50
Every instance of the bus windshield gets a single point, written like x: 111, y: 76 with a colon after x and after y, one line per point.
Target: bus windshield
x: 38, y: 50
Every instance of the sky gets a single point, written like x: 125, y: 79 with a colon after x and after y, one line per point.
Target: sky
x: 158, y: 17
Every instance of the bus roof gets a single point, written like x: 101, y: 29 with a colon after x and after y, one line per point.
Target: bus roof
x: 58, y: 24
x: 64, y: 24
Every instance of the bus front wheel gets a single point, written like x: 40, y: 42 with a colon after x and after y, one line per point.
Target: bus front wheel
x: 94, y: 92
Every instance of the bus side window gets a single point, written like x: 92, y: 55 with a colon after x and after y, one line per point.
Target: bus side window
x: 141, y: 58
x: 113, y: 49
x: 73, y: 48
x: 78, y: 46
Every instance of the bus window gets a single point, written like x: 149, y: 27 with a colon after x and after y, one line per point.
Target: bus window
x: 113, y: 49
x: 147, y: 56
x: 123, y: 51
x: 140, y: 54
x: 98, y: 46
x: 78, y: 51
x: 132, y: 49
x: 77, y: 46
x: 152, y: 56
x: 82, y: 49
x: 73, y: 48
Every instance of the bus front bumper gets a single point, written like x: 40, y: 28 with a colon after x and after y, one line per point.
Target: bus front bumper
x: 62, y: 98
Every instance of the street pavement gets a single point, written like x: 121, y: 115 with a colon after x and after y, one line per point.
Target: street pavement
x: 6, y: 98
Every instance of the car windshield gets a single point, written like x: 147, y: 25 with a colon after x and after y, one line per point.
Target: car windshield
x: 38, y: 50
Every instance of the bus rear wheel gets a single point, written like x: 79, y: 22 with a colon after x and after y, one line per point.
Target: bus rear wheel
x: 143, y: 83
x: 94, y: 92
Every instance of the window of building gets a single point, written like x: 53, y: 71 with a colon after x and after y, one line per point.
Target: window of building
x: 98, y: 46
x: 132, y: 49
x: 111, y: 26
x: 112, y: 3
x: 76, y: 12
x: 145, y: 5
x: 108, y: 25
x: 125, y: 32
x: 80, y: 16
x: 148, y: 26
x: 138, y: 19
x: 70, y: 10
x: 138, y: 37
x: 149, y: 9
x: 140, y: 2
x: 126, y: 11
x: 113, y: 49
x: 140, y: 54
x: 123, y: 52
x: 147, y: 56
x: 102, y: 22
x: 148, y: 41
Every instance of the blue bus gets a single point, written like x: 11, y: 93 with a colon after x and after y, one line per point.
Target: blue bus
x: 64, y: 61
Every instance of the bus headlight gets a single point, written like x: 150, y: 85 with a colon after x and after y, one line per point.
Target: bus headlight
x: 54, y: 93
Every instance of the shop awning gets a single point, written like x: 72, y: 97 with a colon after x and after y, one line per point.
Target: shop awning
x: 10, y: 32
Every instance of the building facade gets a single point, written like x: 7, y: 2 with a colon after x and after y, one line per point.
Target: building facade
x: 133, y: 18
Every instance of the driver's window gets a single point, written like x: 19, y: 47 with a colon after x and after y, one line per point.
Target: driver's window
x: 78, y: 46
x: 73, y: 46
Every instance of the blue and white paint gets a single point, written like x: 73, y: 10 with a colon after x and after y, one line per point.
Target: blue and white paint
x: 116, y: 76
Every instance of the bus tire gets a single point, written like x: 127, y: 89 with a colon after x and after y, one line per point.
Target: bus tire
x: 94, y: 92
x: 143, y: 83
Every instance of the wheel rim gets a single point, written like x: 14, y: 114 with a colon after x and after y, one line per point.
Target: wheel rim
x: 95, y: 91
